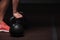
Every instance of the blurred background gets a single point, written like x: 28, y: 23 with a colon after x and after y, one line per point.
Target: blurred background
x: 43, y: 18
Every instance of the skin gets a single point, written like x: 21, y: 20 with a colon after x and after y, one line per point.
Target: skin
x: 15, y: 12
x: 4, y: 5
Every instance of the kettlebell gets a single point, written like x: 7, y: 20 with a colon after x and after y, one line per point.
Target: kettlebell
x: 16, y: 29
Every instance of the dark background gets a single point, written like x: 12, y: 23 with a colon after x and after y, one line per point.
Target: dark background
x: 43, y: 17
x: 40, y: 1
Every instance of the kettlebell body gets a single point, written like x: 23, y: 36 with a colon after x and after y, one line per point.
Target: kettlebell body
x: 16, y: 28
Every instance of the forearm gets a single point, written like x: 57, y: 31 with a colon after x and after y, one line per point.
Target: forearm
x: 15, y: 4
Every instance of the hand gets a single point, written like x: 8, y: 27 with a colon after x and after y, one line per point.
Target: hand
x: 17, y: 15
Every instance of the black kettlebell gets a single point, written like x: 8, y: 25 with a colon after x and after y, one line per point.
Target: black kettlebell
x: 16, y: 29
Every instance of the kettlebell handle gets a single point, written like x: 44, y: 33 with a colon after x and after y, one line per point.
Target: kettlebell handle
x: 12, y: 18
